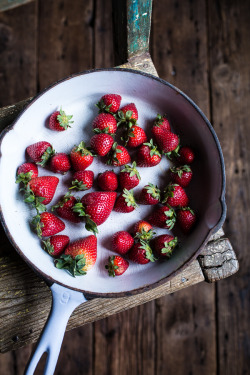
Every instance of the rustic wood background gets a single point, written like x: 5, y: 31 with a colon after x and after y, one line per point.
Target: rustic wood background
x: 201, y: 47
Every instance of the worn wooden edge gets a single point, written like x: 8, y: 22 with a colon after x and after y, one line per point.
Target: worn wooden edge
x: 10, y: 4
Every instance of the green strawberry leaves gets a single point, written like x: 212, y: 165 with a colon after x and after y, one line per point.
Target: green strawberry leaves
x: 129, y: 198
x: 168, y: 248
x: 90, y: 224
x: 48, y: 153
x: 131, y: 170
x: 36, y: 202
x: 73, y: 265
x: 111, y: 267
x: 153, y: 148
x: 64, y: 120
x: 78, y: 185
x: 24, y: 177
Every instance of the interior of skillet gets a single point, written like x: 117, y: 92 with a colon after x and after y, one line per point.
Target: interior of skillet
x: 78, y: 96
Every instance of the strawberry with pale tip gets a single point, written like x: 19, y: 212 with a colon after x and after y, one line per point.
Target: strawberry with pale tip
x: 105, y: 122
x: 143, y: 230
x: 141, y: 253
x: 129, y: 177
x: 186, y: 219
x: 150, y: 194
x: 174, y: 196
x: 163, y: 217
x: 59, y: 121
x: 79, y: 256
x: 107, y: 181
x: 82, y: 180
x: 55, y: 245
x: 26, y: 172
x: 47, y: 224
x: 148, y: 155
x: 118, y: 155
x: 81, y: 157
x: 116, y: 265
x: 125, y: 202
x: 109, y: 103
x: 40, y: 152
x: 64, y: 208
x: 122, y: 242
x: 164, y: 245
x: 60, y: 163
x: 181, y: 175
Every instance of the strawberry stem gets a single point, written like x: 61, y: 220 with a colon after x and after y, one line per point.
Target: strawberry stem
x: 73, y: 265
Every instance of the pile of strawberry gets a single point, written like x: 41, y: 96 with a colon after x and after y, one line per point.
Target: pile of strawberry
x: 94, y: 208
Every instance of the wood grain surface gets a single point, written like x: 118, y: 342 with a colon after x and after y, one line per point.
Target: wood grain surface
x: 201, y: 47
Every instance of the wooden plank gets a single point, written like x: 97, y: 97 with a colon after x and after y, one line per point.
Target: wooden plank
x: 17, y: 51
x: 10, y: 4
x: 65, y: 39
x: 185, y: 322
x: 229, y: 36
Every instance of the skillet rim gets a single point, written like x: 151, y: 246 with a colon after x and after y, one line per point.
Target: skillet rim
x: 50, y: 280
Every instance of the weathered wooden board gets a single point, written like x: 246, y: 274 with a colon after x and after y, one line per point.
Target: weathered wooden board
x: 229, y: 36
x: 10, y: 4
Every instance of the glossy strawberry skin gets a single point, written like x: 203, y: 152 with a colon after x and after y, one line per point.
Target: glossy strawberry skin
x: 121, y: 157
x: 105, y: 121
x: 166, y: 141
x: 137, y: 137
x: 99, y: 205
x: 175, y: 195
x: 108, y: 181
x: 137, y: 254
x: 37, y: 150
x: 186, y: 218
x: 110, y: 102
x: 130, y: 107
x: 84, y: 246
x: 160, y: 242
x: 128, y: 182
x: 162, y: 123
x: 146, y: 197
x: 122, y: 242
x: 59, y: 121
x: 55, y: 245
x: 81, y: 158
x: 142, y: 225
x: 60, y: 163
x: 117, y: 265
x: 125, y: 202
x: 44, y: 187
x: 85, y: 178
x: 144, y: 159
x: 160, y: 218
x: 186, y: 155
x: 64, y: 209
x: 28, y: 167
x: 101, y: 143
x: 50, y: 224
x: 181, y: 175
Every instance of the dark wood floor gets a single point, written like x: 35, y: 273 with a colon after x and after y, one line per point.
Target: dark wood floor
x: 203, y: 48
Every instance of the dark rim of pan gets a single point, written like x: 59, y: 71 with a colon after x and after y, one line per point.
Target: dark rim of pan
x: 50, y: 280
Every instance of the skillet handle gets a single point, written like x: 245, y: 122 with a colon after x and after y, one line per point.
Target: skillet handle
x: 64, y: 303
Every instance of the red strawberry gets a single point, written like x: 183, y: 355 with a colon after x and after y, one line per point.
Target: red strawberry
x: 26, y: 172
x: 181, y: 175
x: 107, y: 181
x: 186, y: 219
x: 79, y: 256
x: 116, y: 265
x: 43, y: 187
x: 143, y: 230
x: 118, y: 156
x: 175, y: 195
x: 82, y: 180
x: 186, y: 155
x: 109, y: 103
x: 141, y: 253
x: 127, y: 115
x: 163, y: 217
x: 164, y: 245
x: 148, y: 155
x: 64, y: 208
x: 136, y: 136
x: 96, y: 208
x: 59, y: 121
x: 40, y: 152
x: 101, y: 143
x: 56, y: 244
x: 163, y: 123
x: 105, y: 122
x: 167, y: 142
x: 122, y: 242
x: 150, y: 194
x: 47, y: 224
x: 60, y: 163
x: 125, y: 202
x: 81, y: 157
x: 129, y: 177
